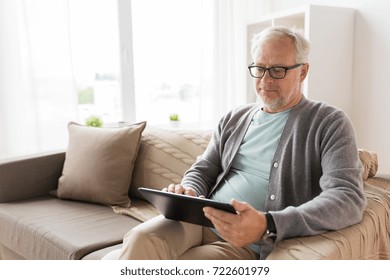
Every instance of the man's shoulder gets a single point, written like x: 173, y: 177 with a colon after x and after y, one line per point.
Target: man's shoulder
x: 237, y: 117
x: 241, y: 110
x: 318, y: 108
x: 319, y: 116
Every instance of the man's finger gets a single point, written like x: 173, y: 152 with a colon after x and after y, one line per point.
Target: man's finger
x: 224, y: 216
x: 179, y: 189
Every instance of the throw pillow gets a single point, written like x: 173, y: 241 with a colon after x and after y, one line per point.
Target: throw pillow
x: 99, y: 164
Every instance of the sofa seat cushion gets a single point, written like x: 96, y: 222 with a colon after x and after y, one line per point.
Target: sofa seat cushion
x: 50, y: 228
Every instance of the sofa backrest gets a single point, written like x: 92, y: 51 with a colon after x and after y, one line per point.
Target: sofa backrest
x: 164, y: 156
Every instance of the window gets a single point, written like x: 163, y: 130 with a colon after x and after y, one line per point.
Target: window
x: 60, y: 63
x: 94, y: 39
x: 66, y: 60
x: 170, y: 50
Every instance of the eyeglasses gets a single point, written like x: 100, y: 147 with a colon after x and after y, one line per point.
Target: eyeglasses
x: 276, y: 72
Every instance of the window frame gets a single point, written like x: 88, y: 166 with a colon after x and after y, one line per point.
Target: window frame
x: 126, y: 60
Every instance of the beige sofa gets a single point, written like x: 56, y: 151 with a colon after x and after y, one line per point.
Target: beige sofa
x: 37, y: 223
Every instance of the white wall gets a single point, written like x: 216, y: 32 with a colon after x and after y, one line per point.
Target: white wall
x: 371, y: 77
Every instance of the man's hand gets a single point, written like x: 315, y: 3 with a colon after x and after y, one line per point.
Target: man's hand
x: 245, y: 228
x: 179, y: 189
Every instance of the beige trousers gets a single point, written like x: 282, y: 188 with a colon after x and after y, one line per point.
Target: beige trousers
x: 163, y: 239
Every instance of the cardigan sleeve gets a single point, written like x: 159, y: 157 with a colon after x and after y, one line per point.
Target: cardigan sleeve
x: 203, y: 173
x: 327, y: 190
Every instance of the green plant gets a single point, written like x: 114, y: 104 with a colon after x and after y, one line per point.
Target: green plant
x: 94, y: 121
x: 174, y: 117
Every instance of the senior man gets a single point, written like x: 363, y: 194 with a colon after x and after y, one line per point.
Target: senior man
x: 288, y: 165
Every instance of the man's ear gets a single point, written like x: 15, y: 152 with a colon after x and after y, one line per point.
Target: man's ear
x: 304, y: 71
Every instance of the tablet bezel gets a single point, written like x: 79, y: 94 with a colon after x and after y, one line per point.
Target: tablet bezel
x: 182, y: 207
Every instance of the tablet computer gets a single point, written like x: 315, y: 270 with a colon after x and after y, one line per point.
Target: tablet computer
x: 182, y: 207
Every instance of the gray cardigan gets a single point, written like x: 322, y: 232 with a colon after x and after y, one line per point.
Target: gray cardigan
x: 315, y: 182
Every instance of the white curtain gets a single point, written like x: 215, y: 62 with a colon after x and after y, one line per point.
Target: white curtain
x: 228, y: 56
x: 37, y: 86
x: 37, y: 90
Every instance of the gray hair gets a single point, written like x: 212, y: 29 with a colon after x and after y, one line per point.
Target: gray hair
x: 302, y: 45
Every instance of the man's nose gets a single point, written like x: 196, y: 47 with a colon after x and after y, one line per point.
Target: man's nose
x: 267, y: 77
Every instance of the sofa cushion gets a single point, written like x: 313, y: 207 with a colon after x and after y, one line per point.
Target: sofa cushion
x: 50, y: 228
x: 165, y: 155
x: 99, y: 164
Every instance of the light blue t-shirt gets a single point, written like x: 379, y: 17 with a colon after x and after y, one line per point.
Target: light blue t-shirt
x: 249, y: 175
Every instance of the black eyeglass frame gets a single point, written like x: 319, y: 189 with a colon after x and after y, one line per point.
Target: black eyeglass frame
x: 286, y: 68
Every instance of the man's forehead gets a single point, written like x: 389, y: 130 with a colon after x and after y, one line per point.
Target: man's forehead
x: 277, y: 51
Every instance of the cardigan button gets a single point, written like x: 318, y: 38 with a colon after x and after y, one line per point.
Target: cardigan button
x: 272, y: 197
x: 276, y: 165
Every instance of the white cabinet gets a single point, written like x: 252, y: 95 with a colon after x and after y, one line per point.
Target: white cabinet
x: 331, y: 33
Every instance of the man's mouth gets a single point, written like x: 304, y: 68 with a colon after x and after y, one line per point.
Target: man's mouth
x: 268, y: 90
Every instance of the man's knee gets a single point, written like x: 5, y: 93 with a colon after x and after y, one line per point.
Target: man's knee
x: 138, y: 237
x: 160, y: 238
x: 142, y: 245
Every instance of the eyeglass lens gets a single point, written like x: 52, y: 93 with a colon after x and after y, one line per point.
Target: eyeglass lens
x: 275, y: 72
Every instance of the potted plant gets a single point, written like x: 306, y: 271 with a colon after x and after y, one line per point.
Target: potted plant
x: 94, y: 121
x: 174, y: 120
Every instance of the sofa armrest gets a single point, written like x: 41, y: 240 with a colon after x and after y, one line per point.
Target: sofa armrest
x: 380, y: 180
x: 31, y: 176
x: 368, y: 239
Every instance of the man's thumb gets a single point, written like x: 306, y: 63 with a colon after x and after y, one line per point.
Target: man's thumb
x: 239, y: 206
